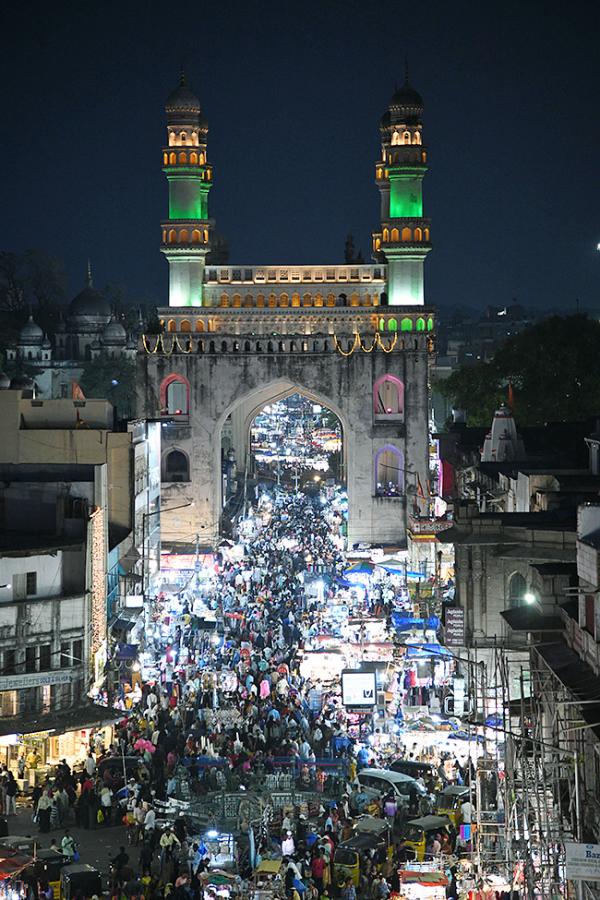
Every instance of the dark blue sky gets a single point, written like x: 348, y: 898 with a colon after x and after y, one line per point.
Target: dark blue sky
x: 293, y: 93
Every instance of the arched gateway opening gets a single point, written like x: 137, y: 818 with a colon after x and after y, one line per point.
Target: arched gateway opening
x: 292, y: 442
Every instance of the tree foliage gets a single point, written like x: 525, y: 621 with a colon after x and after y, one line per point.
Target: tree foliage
x: 553, y: 366
x: 33, y: 279
x: 113, y: 380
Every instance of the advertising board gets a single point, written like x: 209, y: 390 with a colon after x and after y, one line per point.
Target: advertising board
x: 582, y: 861
x: 358, y: 688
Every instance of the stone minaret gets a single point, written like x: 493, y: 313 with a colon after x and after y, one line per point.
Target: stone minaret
x: 404, y: 239
x: 186, y: 233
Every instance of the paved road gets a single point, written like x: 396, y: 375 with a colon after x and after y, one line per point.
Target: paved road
x: 95, y: 846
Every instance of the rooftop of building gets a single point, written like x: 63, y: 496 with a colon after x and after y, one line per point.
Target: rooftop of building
x: 22, y: 543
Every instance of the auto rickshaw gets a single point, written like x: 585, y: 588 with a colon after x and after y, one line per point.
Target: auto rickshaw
x: 48, y: 866
x: 371, y: 834
x: 268, y: 879
x: 79, y: 880
x: 22, y: 843
x: 418, y: 833
x: 449, y: 802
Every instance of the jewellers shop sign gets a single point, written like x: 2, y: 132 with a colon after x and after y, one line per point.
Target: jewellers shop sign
x: 582, y: 861
x: 17, y: 682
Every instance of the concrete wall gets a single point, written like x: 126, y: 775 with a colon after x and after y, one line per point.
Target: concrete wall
x: 48, y: 433
x: 484, y: 571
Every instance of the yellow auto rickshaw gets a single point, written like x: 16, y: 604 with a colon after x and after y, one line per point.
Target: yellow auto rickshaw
x: 79, y: 880
x: 268, y: 879
x: 449, y: 802
x: 418, y: 833
x: 350, y: 855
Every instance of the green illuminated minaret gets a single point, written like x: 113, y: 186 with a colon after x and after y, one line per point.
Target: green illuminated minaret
x: 404, y: 238
x: 186, y: 233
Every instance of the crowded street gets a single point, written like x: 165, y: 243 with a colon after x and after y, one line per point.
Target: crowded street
x: 283, y: 734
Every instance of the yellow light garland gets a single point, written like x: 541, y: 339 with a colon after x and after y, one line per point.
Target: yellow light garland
x: 391, y: 346
x: 182, y: 349
x: 359, y: 343
x: 354, y: 346
x: 373, y: 345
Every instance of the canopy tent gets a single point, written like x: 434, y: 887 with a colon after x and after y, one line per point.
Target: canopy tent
x: 427, y: 651
x: 362, y: 567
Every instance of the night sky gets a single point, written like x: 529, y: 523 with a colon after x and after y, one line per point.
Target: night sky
x: 293, y: 93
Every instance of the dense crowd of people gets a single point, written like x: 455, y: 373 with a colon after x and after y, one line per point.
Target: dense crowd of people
x: 229, y: 708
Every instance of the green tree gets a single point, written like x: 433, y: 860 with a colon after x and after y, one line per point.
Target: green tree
x: 553, y: 367
x: 113, y: 380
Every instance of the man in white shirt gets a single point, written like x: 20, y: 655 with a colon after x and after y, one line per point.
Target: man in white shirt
x: 90, y: 765
x: 287, y: 845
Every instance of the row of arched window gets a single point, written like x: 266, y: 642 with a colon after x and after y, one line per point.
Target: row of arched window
x: 395, y: 235
x: 291, y: 345
x: 177, y: 138
x: 295, y: 300
x: 388, y: 396
x: 185, y: 236
x: 406, y: 324
x: 388, y: 474
x: 186, y: 326
x: 404, y: 137
x: 185, y: 158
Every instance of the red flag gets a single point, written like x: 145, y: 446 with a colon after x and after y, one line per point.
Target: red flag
x: 511, y: 396
x: 76, y: 392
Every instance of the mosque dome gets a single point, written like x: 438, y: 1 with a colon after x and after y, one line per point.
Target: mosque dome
x: 114, y: 333
x: 31, y: 333
x: 406, y: 98
x: 4, y: 381
x: 89, y: 302
x: 182, y: 99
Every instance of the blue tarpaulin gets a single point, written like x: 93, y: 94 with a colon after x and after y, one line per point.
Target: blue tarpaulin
x: 405, y: 623
x: 427, y: 651
x: 360, y: 568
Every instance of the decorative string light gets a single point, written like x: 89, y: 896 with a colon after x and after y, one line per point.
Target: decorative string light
x: 372, y: 347
x: 358, y: 343
x: 355, y: 345
x: 160, y: 345
x: 391, y: 346
x: 98, y: 582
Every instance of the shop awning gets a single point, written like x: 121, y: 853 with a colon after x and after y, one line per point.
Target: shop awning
x: 427, y: 651
x: 84, y: 715
x: 124, y: 623
x: 528, y: 618
x: 128, y: 561
x: 575, y: 674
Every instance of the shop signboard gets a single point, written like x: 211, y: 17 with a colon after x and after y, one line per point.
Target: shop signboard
x: 17, y: 682
x: 454, y: 626
x: 186, y: 561
x: 358, y: 689
x: 582, y: 861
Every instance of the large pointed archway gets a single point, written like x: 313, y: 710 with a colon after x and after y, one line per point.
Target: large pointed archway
x: 235, y: 426
x: 291, y: 441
